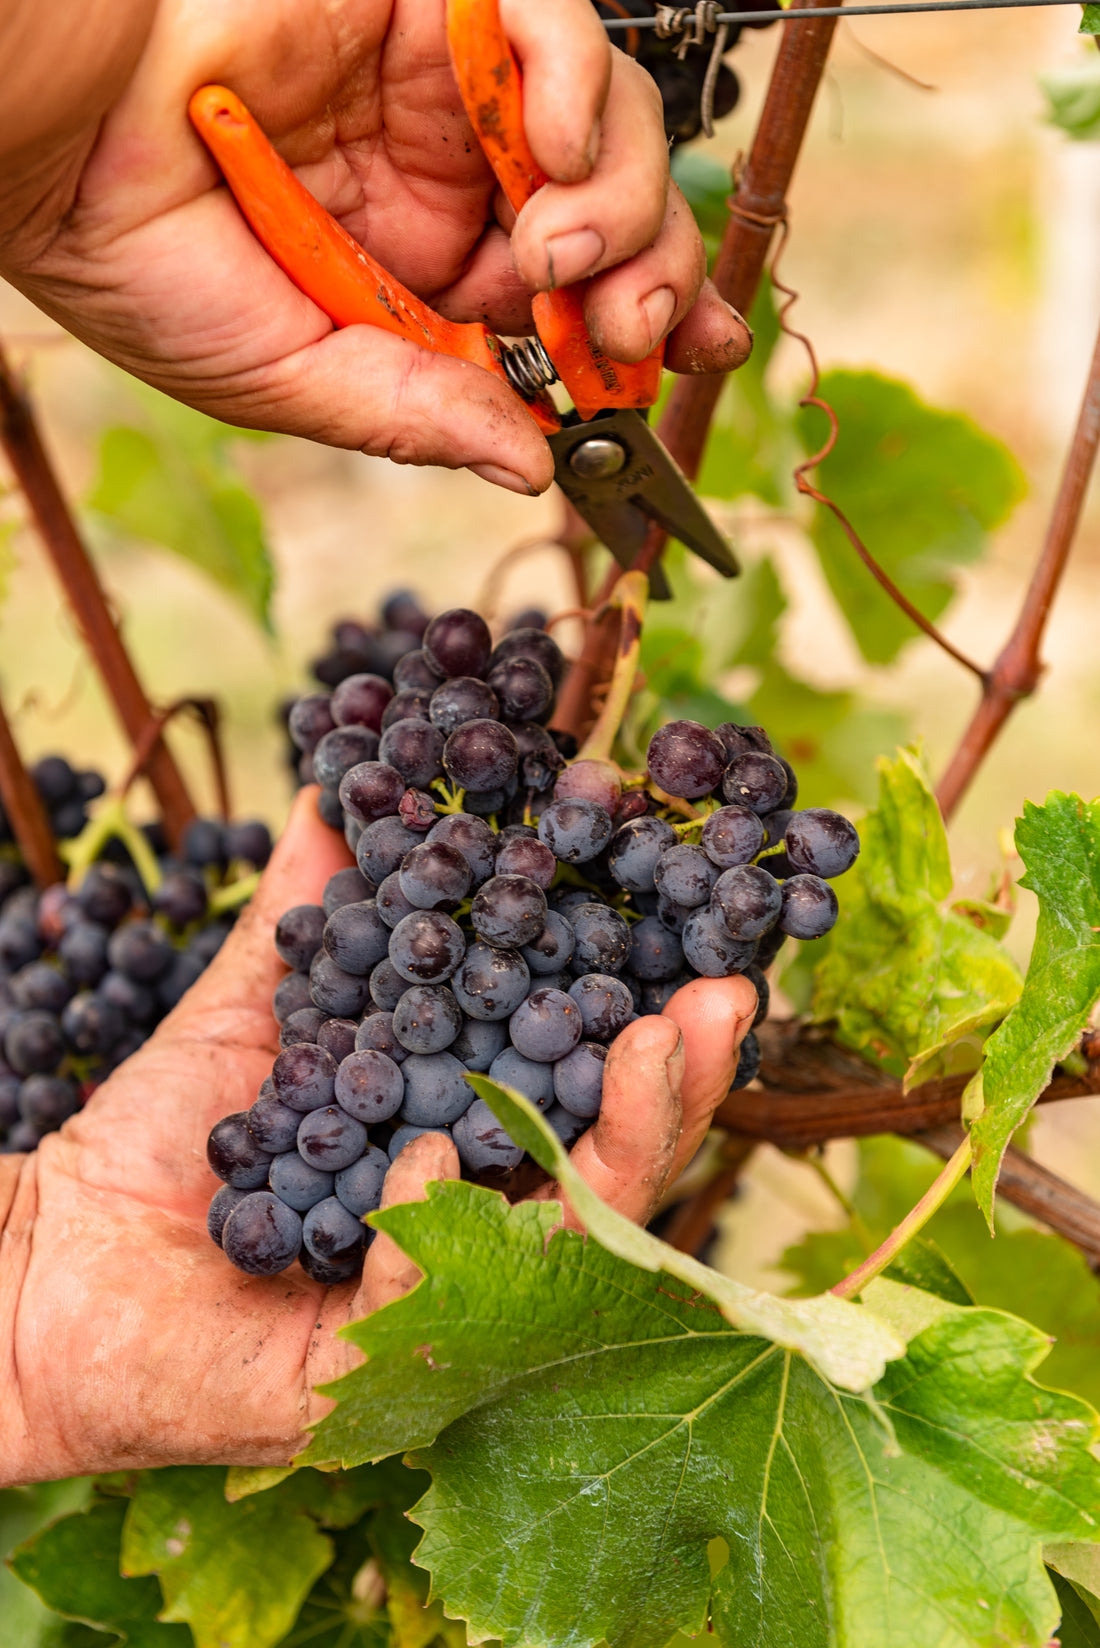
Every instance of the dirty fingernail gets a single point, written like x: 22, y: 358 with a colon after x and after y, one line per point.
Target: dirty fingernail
x: 659, y: 308
x: 571, y: 256
x: 496, y: 476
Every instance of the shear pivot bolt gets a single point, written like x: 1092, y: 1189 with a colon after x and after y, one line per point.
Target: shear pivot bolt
x: 597, y: 459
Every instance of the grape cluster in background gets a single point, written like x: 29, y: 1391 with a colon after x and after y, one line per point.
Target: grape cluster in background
x: 513, y: 906
x: 87, y: 974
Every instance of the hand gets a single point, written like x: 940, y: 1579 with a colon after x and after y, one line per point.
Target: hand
x: 118, y: 224
x: 126, y: 1338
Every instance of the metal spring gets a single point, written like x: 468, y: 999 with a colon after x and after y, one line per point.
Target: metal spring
x: 528, y: 367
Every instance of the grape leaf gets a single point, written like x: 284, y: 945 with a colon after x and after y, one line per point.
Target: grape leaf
x: 923, y: 489
x: 1080, y: 1565
x: 1059, y: 843
x: 1078, y: 1626
x: 238, y: 1573
x: 24, y: 1620
x: 1090, y: 19
x: 909, y: 983
x: 173, y: 482
x: 1073, y: 95
x: 74, y: 1567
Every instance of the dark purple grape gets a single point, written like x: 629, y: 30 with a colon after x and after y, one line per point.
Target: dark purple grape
x: 434, y: 876
x: 775, y: 826
x: 509, y: 911
x: 436, y: 1090
x: 369, y: 1085
x: 685, y: 875
x: 528, y: 642
x: 137, y: 1001
x: 523, y: 688
x: 578, y: 1080
x: 392, y: 904
x: 19, y: 942
x: 341, y: 995
x: 540, y: 760
x: 710, y: 949
x: 737, y: 740
x: 528, y: 857
x: 532, y: 1078
x: 273, y: 1124
x: 57, y: 911
x: 234, y: 1155
x: 382, y: 846
x: 809, y: 907
x: 748, y: 1063
x: 821, y: 843
x: 656, y: 995
x: 427, y: 1018
x: 359, y: 1187
x: 490, y: 982
x: 54, y: 779
x: 529, y: 618
x: 356, y: 937
x: 375, y: 1033
x: 673, y: 916
x: 546, y: 1026
x: 416, y: 810
x: 746, y: 901
x: 415, y: 748
x: 733, y: 835
x: 33, y: 1044
x: 575, y: 830
x: 426, y: 947
x: 485, y: 803
x: 10, y: 1085
x: 331, y: 1233
x: 474, y: 840
x: 686, y: 759
x: 655, y: 953
x: 310, y: 719
x: 342, y: 749
x: 371, y: 790
x: 401, y: 610
x: 304, y: 1076
x: 181, y: 898
x: 330, y: 811
x: 359, y: 701
x: 602, y: 939
x: 410, y: 705
x: 406, y: 1133
x: 298, y: 935
x: 345, y: 887
x: 479, y: 1041
x: 46, y: 1101
x: 92, y: 1025
x: 637, y: 848
x: 464, y: 698
x: 249, y: 840
x: 769, y: 946
x: 331, y: 1139
x: 568, y: 1127
x: 21, y: 1137
x: 296, y: 1182
x: 483, y: 1143
x: 204, y: 844
x: 605, y: 1003
x: 591, y: 779
x: 104, y: 895
x: 755, y: 781
x: 760, y: 984
x: 327, y: 1273
x: 42, y: 987
x: 337, y: 1036
x: 206, y: 943
x: 458, y: 643
x: 553, y: 948
x: 387, y: 986
x: 221, y: 1206
x: 415, y: 671
x: 262, y: 1235
x: 481, y: 755
x: 291, y: 993
x: 790, y: 795
x: 301, y: 1026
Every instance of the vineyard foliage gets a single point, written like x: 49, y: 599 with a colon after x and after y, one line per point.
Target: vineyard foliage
x: 564, y: 1440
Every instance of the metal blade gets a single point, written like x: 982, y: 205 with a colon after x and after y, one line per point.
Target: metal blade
x: 619, y: 477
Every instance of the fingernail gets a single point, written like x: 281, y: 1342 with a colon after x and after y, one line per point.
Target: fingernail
x: 571, y: 256
x: 659, y: 308
x: 592, y: 147
x: 674, y: 1064
x: 496, y: 476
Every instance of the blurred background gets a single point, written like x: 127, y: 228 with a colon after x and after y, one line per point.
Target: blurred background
x: 944, y: 232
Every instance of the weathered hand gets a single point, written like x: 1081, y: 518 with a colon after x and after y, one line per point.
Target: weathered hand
x: 118, y: 224
x: 127, y: 1339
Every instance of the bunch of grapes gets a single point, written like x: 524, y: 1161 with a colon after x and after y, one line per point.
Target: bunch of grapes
x: 65, y: 794
x: 509, y: 912
x: 86, y: 975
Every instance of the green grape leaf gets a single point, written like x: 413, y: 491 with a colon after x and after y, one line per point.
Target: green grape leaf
x: 751, y: 446
x: 1090, y: 19
x: 25, y: 1621
x: 923, y: 488
x: 832, y: 738
x: 1078, y: 1627
x: 1080, y: 1565
x: 345, y: 1608
x: 907, y: 981
x: 1059, y: 843
x: 172, y: 481
x: 74, y: 1567
x: 414, y: 1621
x: 1073, y: 96
x: 238, y: 1572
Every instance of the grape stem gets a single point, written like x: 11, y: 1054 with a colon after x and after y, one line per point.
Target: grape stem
x: 629, y: 598
x: 234, y: 895
x: 110, y: 823
x: 452, y: 799
x: 914, y: 1221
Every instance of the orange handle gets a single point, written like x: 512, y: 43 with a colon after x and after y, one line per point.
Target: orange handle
x: 491, y: 85
x: 320, y: 257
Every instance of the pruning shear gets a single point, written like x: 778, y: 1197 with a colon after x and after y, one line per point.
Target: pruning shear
x: 608, y: 462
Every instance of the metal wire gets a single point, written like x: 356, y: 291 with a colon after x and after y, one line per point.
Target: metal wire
x: 805, y: 13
